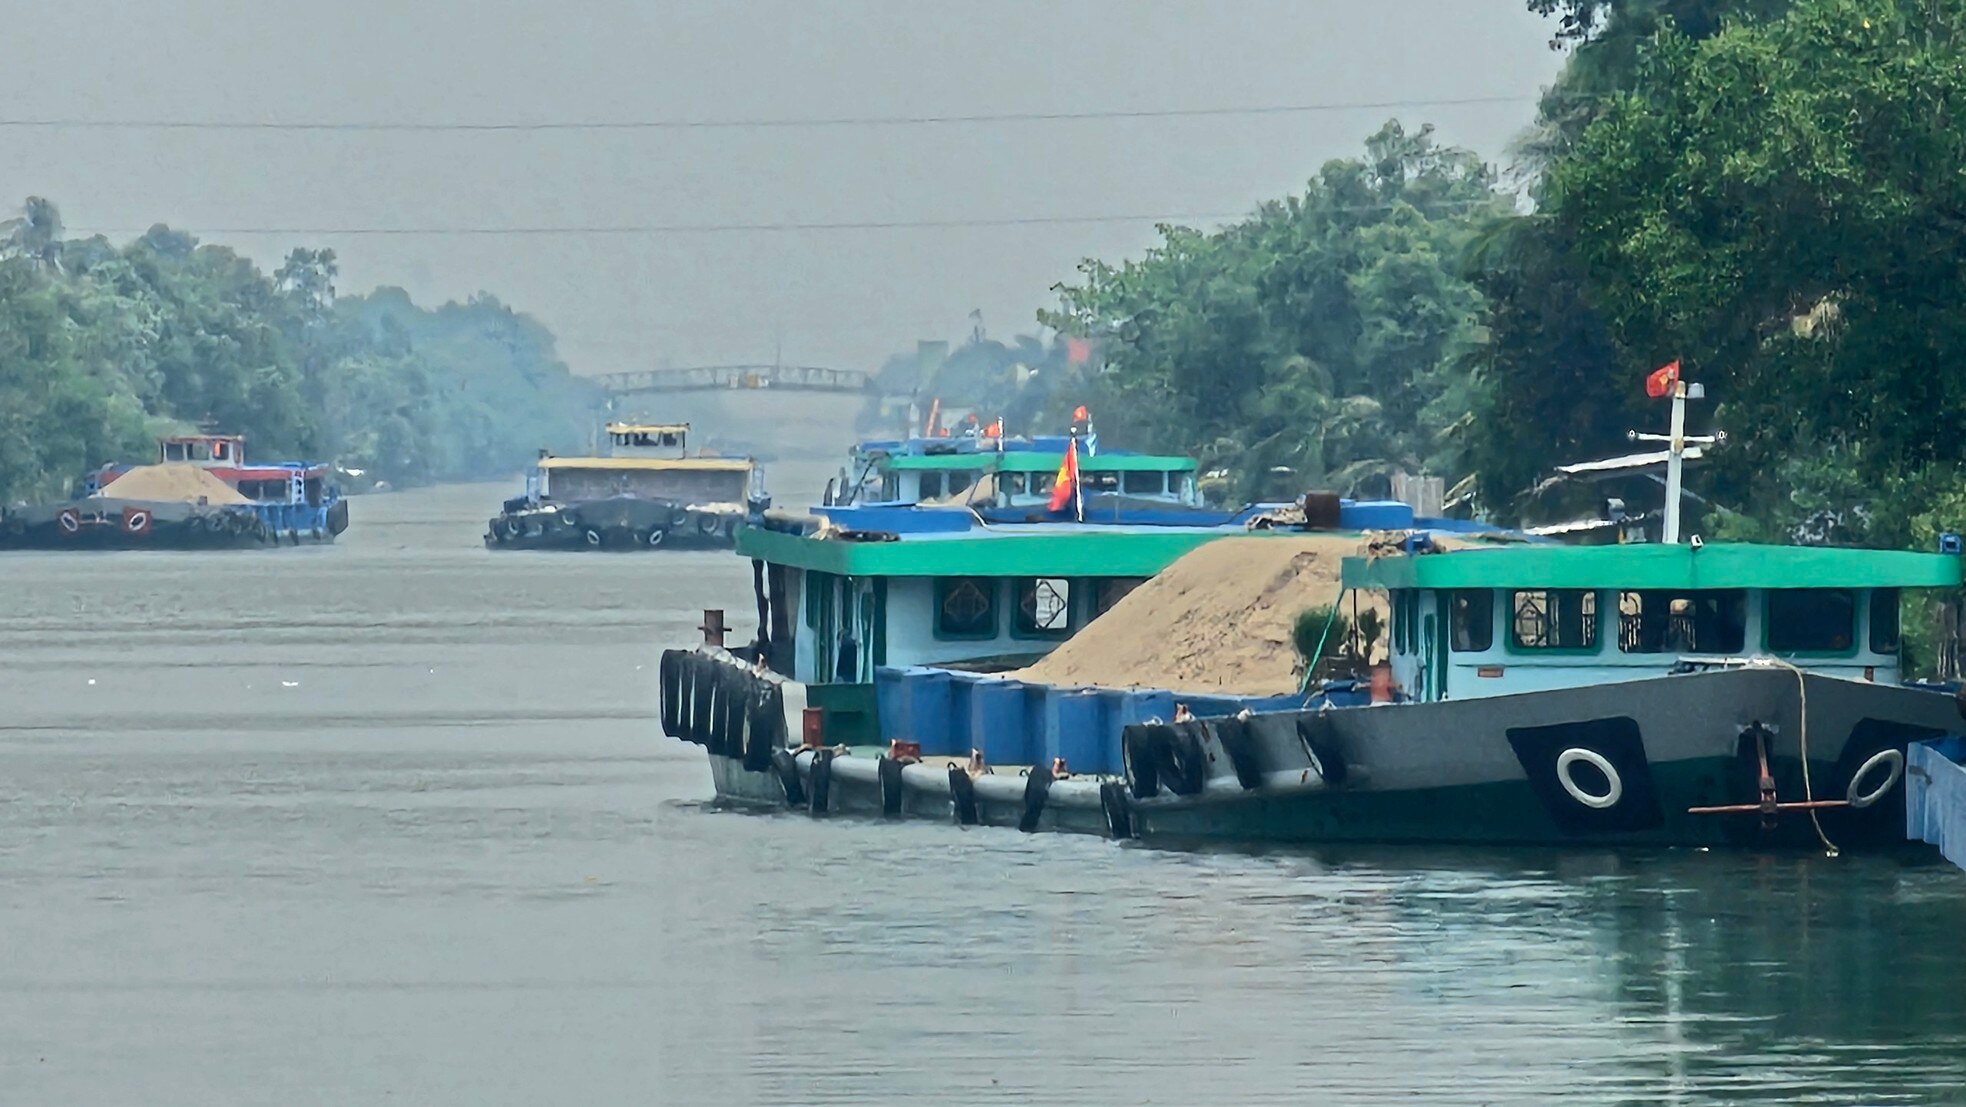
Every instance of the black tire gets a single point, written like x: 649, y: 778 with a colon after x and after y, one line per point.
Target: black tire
x: 962, y: 796
x: 764, y: 728
x: 702, y: 695
x: 1118, y: 810
x: 1182, y: 761
x: 1037, y: 789
x: 819, y: 792
x: 593, y: 538
x: 1244, y: 754
x: 669, y: 686
x: 1325, y: 755
x: 890, y: 776
x: 1140, y: 756
x: 786, y: 766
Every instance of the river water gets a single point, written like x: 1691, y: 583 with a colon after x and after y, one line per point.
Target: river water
x: 389, y: 821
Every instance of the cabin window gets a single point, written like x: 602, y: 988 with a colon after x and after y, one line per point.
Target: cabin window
x: 959, y: 481
x: 1401, y: 601
x: 1012, y: 483
x: 1044, y: 607
x: 1110, y: 591
x: 1473, y: 619
x: 1884, y: 620
x: 1143, y: 483
x: 1041, y: 483
x: 1811, y: 620
x: 1099, y: 482
x: 930, y: 487
x: 1554, y: 619
x: 965, y: 607
x: 1664, y: 621
x: 174, y: 451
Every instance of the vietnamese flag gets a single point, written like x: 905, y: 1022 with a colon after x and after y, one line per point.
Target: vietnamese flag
x: 1660, y: 382
x: 1067, y: 481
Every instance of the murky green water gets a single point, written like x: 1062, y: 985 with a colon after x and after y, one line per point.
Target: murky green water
x: 388, y: 822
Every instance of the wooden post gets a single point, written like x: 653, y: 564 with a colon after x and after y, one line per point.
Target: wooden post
x: 713, y: 627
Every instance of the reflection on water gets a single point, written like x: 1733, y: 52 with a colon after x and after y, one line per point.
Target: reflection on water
x: 387, y: 820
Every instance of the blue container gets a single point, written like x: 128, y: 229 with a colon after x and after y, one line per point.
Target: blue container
x: 962, y: 690
x: 891, y: 702
x: 1074, y: 729
x: 1375, y: 515
x: 996, y: 722
x: 929, y: 712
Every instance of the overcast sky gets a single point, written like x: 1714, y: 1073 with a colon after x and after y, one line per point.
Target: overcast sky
x: 837, y: 297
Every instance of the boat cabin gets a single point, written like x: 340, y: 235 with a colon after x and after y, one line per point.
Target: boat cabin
x: 1499, y: 621
x: 668, y: 440
x: 1011, y: 473
x: 226, y: 451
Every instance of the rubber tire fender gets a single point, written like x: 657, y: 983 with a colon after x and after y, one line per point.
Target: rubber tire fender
x: 1245, y: 755
x: 1139, y: 746
x: 735, y: 702
x: 669, y: 690
x: 1037, y: 789
x: 962, y: 796
x: 1330, y: 762
x: 786, y: 765
x: 890, y: 776
x: 702, y: 695
x: 819, y: 793
x: 1118, y: 809
x: 1182, y: 761
x: 764, y: 727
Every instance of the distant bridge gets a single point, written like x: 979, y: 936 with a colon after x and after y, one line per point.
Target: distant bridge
x: 722, y: 378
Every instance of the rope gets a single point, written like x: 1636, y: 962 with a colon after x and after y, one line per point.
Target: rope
x: 1310, y: 663
x: 1808, y: 791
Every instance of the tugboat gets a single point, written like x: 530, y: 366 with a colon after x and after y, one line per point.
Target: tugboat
x: 201, y: 494
x: 1678, y: 693
x: 648, y: 493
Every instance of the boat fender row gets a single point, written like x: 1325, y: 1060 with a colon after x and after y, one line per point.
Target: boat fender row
x: 820, y: 787
x: 1037, y: 789
x: 1244, y: 754
x: 962, y: 796
x: 1117, y: 807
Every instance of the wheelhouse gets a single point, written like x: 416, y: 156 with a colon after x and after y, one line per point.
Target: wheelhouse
x: 1500, y: 621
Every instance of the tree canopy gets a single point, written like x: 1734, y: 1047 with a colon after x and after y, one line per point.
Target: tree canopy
x: 102, y: 347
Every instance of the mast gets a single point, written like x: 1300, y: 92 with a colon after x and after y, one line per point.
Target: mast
x: 1676, y: 443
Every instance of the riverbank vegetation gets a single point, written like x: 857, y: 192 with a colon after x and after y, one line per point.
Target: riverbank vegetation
x: 102, y: 347
x: 1764, y: 190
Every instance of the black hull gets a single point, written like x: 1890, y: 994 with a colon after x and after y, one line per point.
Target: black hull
x: 160, y: 536
x: 618, y: 524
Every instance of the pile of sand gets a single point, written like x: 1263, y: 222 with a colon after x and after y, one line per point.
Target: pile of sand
x: 1217, y: 620
x: 171, y: 484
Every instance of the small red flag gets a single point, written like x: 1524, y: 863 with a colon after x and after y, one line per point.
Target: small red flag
x: 1067, y: 481
x: 1660, y: 382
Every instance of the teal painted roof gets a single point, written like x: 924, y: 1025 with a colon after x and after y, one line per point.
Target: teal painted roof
x: 1714, y: 565
x: 1039, y: 550
x: 1031, y: 461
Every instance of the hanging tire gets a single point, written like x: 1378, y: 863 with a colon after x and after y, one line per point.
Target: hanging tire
x: 1183, y: 763
x: 670, y: 689
x: 1139, y: 756
x: 1893, y: 762
x: 1244, y: 753
x: 654, y: 538
x: 819, y: 791
x: 785, y: 765
x: 593, y: 538
x: 1113, y: 803
x: 962, y: 796
x: 1566, y: 763
x: 1037, y: 789
x: 890, y: 780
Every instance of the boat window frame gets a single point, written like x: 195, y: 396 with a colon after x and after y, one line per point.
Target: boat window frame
x: 1152, y: 482
x: 940, y: 594
x: 1768, y: 624
x: 1512, y: 641
x: 1018, y: 627
x: 1456, y: 624
x: 1692, y: 594
x: 1896, y: 609
x: 1103, y: 586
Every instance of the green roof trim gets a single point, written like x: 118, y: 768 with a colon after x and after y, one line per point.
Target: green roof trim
x: 1084, y: 553
x: 1029, y: 461
x: 1658, y: 566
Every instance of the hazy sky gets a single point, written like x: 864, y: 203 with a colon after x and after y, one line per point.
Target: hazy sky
x: 622, y: 301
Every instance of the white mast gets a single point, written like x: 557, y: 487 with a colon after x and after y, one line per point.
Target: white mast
x: 1676, y: 443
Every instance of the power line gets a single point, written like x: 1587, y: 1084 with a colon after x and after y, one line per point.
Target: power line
x: 740, y: 228
x: 747, y: 124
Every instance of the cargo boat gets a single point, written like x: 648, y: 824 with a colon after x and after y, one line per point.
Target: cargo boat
x: 202, y: 493
x: 647, y: 493
x: 1669, y: 694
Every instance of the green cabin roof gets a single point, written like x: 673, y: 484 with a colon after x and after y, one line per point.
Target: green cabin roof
x: 1686, y: 567
x: 1063, y: 552
x: 1032, y: 461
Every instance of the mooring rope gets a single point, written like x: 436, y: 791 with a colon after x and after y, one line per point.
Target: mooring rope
x: 1808, y: 791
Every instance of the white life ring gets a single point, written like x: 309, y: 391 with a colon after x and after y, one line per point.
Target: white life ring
x: 655, y: 537
x: 1615, y: 786
x: 1861, y: 799
x: 593, y: 537
x: 70, y: 520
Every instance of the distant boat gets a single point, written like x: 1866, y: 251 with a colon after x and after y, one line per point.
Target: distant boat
x: 201, y: 494
x: 648, y: 493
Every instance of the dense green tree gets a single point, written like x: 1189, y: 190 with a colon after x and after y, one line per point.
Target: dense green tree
x: 1317, y: 343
